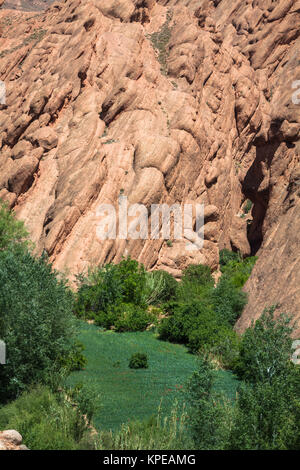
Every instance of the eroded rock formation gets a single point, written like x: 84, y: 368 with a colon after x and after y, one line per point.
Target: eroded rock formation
x: 164, y: 101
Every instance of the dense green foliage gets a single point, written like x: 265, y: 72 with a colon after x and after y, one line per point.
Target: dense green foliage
x: 160, y: 287
x: 202, y: 315
x: 265, y: 348
x: 156, y: 433
x: 48, y: 421
x: 196, y: 312
x: 36, y: 319
x: 135, y: 395
x: 39, y: 329
x: 210, y: 413
x: 12, y: 232
x: 265, y: 413
x: 138, y: 361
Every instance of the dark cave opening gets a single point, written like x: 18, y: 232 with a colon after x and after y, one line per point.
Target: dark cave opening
x: 256, y: 187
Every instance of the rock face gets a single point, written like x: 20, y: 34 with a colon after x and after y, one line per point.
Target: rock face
x: 26, y: 5
x: 163, y: 101
x: 11, y: 440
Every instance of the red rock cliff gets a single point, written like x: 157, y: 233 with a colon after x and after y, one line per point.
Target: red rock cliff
x: 164, y: 101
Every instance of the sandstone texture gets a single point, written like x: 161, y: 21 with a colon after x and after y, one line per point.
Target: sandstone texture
x: 163, y: 101
x: 11, y: 440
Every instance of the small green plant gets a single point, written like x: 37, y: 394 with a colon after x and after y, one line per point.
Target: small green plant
x: 247, y: 207
x: 139, y: 361
x: 169, y: 243
x: 160, y: 42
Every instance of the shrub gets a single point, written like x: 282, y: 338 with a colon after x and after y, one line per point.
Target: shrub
x: 199, y: 274
x: 99, y: 290
x: 104, y: 288
x: 267, y: 415
x: 160, y: 287
x: 86, y: 398
x: 195, y: 324
x: 138, y: 361
x: 196, y: 283
x: 228, y: 301
x: 238, y: 271
x: 133, y: 278
x: 225, y: 256
x: 37, y: 324
x: 268, y: 405
x: 74, y: 359
x: 133, y: 318
x: 265, y: 348
x: 247, y: 206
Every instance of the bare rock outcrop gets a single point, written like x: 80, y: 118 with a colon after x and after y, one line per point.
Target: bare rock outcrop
x: 11, y: 440
x: 164, y: 101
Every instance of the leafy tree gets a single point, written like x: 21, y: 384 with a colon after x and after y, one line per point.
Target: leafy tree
x: 210, y: 416
x: 160, y: 287
x: 50, y: 421
x: 228, y: 301
x: 267, y: 414
x: 268, y: 405
x: 37, y: 324
x: 265, y: 348
x: 12, y: 231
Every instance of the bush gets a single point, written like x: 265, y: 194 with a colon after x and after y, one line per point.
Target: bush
x: 225, y: 256
x: 196, y: 284
x: 37, y: 324
x: 98, y: 291
x: 160, y: 287
x: 133, y: 279
x: 268, y: 405
x: 228, y: 301
x: 199, y: 274
x: 267, y: 415
x: 265, y: 348
x: 74, y: 360
x: 138, y: 361
x: 210, y: 414
x: 237, y: 270
x: 266, y: 411
x: 46, y: 421
x: 107, y: 287
x: 125, y: 317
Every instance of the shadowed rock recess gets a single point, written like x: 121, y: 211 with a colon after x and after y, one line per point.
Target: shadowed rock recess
x: 164, y: 101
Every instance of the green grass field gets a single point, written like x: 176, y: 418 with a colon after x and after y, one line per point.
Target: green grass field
x: 128, y: 394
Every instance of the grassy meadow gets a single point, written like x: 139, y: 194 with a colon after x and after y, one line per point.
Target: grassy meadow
x: 128, y: 394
